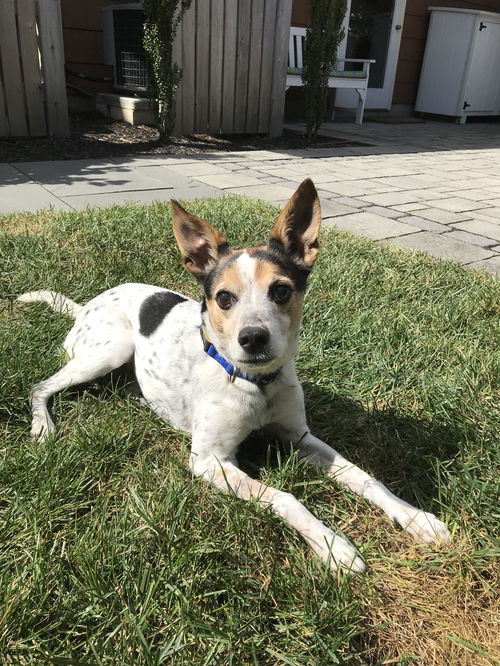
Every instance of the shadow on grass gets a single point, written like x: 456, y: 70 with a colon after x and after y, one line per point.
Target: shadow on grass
x: 399, y: 450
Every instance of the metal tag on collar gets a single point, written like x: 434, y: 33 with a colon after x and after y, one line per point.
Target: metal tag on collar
x: 233, y: 375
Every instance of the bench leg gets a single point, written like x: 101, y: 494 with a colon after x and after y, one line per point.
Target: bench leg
x: 361, y: 105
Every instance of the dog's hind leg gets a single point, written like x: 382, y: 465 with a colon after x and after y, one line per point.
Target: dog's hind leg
x: 92, y: 357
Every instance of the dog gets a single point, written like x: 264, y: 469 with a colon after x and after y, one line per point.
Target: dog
x: 226, y: 368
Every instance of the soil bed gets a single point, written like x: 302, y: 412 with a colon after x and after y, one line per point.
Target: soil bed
x: 93, y: 135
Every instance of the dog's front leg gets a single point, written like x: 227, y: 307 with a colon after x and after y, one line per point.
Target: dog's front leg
x: 424, y: 527
x: 225, y: 475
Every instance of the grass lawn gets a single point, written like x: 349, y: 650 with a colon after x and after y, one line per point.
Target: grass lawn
x: 110, y: 553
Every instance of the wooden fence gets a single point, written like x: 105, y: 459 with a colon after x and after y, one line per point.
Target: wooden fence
x: 32, y: 83
x: 233, y: 54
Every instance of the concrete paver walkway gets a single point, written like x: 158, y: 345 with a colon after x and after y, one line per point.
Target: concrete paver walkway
x: 430, y: 186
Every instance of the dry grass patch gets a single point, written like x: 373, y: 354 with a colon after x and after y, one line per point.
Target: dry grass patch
x: 434, y: 609
x: 28, y: 223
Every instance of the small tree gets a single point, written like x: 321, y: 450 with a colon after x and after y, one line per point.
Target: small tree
x: 162, y: 18
x: 322, y: 39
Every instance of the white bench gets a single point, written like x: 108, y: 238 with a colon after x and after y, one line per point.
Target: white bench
x: 339, y: 78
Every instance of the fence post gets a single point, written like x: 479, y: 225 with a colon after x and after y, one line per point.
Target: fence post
x: 11, y: 68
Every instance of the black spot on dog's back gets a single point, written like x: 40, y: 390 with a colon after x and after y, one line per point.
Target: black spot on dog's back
x: 154, y: 310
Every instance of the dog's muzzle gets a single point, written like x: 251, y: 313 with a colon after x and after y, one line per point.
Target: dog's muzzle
x: 253, y: 340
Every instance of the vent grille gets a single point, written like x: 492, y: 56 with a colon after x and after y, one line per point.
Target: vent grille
x: 130, y: 58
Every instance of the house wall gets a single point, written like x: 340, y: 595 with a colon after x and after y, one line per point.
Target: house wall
x: 415, y: 26
x: 83, y: 44
x: 300, y: 13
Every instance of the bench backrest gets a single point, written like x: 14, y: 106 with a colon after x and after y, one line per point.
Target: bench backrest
x: 296, y: 47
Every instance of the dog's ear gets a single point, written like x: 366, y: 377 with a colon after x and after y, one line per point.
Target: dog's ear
x: 199, y: 242
x: 297, y: 227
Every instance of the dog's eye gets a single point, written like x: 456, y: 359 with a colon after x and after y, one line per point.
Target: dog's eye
x: 280, y: 293
x: 224, y: 299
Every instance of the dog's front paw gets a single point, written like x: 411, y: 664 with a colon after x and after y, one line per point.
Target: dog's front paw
x: 41, y: 428
x: 424, y: 527
x: 343, y: 556
x: 338, y: 553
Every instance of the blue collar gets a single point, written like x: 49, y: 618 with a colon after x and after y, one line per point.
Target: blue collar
x: 232, y: 370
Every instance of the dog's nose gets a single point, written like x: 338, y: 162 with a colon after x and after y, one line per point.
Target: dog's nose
x: 253, y: 339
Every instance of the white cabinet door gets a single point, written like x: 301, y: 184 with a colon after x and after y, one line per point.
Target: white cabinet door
x: 482, y: 90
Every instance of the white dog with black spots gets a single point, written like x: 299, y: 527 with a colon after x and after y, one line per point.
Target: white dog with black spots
x: 225, y: 368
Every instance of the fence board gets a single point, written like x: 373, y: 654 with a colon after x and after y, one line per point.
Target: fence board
x: 216, y: 65
x: 254, y: 66
x: 283, y: 19
x: 28, y: 42
x: 53, y: 66
x: 229, y: 73
x: 188, y: 69
x: 234, y: 56
x: 202, y: 65
x: 242, y: 60
x: 11, y: 70
x: 177, y: 58
x: 4, y: 121
x: 266, y: 70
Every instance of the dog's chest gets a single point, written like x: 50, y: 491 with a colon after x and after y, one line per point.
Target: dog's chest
x: 191, y: 384
x: 191, y: 391
x: 186, y: 387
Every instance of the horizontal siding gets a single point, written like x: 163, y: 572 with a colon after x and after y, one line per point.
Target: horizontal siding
x: 300, y: 13
x: 83, y: 44
x: 84, y: 15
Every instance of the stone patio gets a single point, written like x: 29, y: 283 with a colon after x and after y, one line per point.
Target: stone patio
x: 431, y: 186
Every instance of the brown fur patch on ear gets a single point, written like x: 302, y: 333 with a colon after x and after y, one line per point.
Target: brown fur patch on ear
x: 199, y: 242
x: 297, y: 227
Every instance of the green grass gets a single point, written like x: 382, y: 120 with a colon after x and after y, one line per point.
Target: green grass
x: 110, y: 553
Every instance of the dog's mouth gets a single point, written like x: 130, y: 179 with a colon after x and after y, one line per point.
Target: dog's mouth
x: 259, y: 361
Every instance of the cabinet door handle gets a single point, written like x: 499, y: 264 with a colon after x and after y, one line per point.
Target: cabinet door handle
x: 482, y: 26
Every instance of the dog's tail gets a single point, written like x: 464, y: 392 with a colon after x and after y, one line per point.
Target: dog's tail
x: 58, y: 302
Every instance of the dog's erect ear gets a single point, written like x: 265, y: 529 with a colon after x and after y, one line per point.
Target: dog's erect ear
x: 297, y: 227
x: 199, y: 242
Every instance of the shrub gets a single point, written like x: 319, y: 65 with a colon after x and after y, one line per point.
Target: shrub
x: 162, y: 18
x: 323, y: 36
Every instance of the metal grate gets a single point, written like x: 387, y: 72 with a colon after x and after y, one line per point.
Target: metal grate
x: 131, y: 72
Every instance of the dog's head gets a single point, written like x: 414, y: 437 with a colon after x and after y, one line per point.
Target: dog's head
x: 253, y: 301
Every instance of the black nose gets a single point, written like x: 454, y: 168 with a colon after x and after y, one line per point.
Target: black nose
x: 253, y: 339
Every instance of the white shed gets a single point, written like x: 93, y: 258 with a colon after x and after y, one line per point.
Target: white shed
x: 461, y: 68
